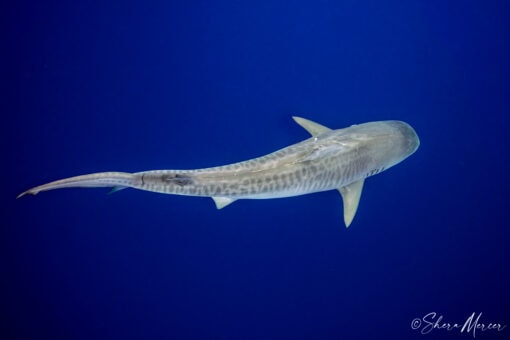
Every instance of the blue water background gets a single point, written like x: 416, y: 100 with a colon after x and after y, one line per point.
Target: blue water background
x: 132, y: 86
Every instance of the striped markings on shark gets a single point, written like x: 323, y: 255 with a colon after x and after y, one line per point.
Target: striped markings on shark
x: 330, y: 160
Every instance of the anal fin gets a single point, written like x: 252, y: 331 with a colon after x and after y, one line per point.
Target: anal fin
x: 117, y: 188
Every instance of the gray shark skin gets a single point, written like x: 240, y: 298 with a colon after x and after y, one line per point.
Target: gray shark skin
x: 329, y: 160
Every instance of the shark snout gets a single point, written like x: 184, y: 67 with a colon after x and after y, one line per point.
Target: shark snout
x: 410, y: 138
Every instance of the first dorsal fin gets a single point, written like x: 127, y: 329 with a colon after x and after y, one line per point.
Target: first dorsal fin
x: 350, y: 195
x: 312, y: 127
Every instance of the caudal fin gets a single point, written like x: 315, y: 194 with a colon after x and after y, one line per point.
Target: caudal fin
x: 95, y: 180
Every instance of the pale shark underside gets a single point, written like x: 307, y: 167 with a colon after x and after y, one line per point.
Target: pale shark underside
x: 331, y: 159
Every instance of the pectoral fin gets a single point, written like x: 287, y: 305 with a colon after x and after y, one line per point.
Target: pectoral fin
x: 222, y: 202
x: 351, y: 195
x: 312, y: 127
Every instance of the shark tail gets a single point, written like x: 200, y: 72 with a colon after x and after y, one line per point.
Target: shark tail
x: 95, y: 180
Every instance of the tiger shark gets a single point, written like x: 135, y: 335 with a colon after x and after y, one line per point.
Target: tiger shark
x: 330, y: 160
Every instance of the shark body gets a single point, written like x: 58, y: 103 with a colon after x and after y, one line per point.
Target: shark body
x: 331, y: 159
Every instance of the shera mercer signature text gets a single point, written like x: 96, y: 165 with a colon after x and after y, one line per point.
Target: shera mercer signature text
x: 473, y: 324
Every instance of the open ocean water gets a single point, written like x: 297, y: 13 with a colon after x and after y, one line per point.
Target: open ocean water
x: 132, y: 86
